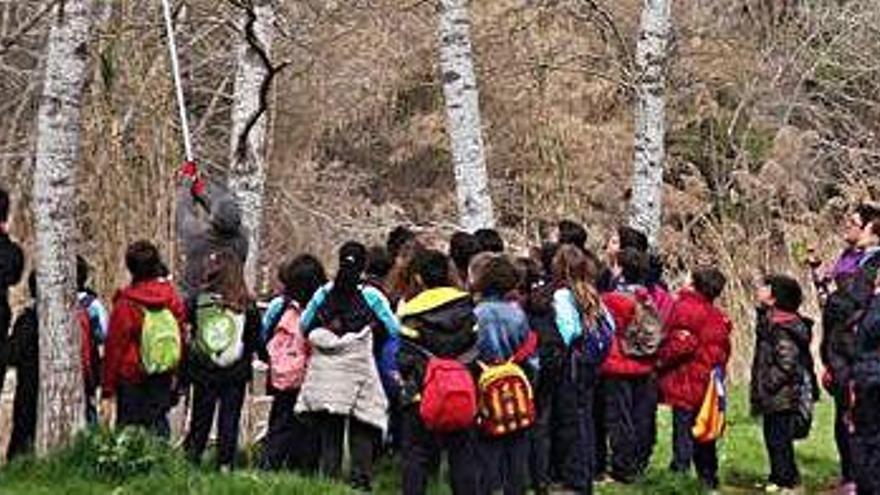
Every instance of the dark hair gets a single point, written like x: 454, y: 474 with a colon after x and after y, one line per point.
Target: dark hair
x: 548, y: 253
x: 634, y: 265
x: 577, y: 269
x: 432, y: 267
x: 379, y: 264
x: 397, y: 239
x: 868, y: 212
x: 489, y: 240
x: 786, y: 291
x: 32, y: 284
x: 352, y: 262
x: 82, y: 273
x: 462, y: 249
x: 498, y: 277
x: 632, y: 238
x: 302, y: 277
x: 4, y: 205
x: 224, y: 276
x: 144, y: 262
x: 573, y: 233
x: 709, y: 282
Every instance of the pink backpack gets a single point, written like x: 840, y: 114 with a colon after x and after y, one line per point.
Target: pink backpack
x: 289, y: 352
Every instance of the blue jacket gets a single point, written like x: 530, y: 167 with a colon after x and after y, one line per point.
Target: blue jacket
x: 502, y: 328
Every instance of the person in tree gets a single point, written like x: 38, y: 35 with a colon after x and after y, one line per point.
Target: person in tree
x: 24, y: 356
x: 343, y: 381
x: 200, y: 237
x: 145, y: 342
x: 290, y: 442
x: 11, y: 270
x: 225, y: 325
x: 697, y: 341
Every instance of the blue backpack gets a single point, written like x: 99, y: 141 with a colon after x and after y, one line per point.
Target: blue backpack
x: 597, y: 337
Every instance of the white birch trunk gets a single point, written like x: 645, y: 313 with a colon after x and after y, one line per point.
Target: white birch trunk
x: 247, y: 177
x: 61, y: 401
x: 650, y: 117
x: 463, y: 117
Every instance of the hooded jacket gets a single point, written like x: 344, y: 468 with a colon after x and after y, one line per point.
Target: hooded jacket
x: 618, y: 365
x: 697, y: 340
x: 122, y: 361
x: 438, y: 321
x: 782, y: 359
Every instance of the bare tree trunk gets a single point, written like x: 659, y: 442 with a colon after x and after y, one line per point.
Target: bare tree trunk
x: 650, y: 117
x: 62, y: 407
x: 463, y: 117
x: 247, y: 177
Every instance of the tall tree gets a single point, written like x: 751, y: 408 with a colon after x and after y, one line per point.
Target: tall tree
x: 61, y: 411
x: 650, y: 117
x: 249, y: 142
x: 463, y: 116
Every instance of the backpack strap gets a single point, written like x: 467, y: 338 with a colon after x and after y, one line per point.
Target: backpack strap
x: 527, y: 349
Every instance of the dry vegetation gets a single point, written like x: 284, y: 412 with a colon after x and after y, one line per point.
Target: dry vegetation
x: 774, y: 109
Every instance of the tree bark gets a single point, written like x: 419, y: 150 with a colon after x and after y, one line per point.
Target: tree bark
x: 247, y: 177
x: 62, y: 407
x: 650, y: 117
x: 463, y: 117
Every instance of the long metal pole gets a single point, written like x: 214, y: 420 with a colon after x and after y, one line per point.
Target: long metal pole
x: 178, y: 86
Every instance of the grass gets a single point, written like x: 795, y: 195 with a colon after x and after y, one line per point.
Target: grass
x: 74, y: 472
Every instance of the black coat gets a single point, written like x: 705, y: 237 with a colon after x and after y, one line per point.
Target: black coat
x: 200, y: 368
x: 782, y: 363
x: 11, y: 269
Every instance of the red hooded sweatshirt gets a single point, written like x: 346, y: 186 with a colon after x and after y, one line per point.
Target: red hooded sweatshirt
x: 122, y: 359
x: 618, y: 365
x: 697, y: 340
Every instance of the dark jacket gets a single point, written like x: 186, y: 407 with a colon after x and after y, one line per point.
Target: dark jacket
x: 697, y: 340
x: 122, y: 352
x: 11, y: 269
x: 840, y: 317
x: 24, y: 353
x: 782, y: 362
x: 438, y: 321
x: 866, y: 372
x: 201, y: 369
x: 553, y: 353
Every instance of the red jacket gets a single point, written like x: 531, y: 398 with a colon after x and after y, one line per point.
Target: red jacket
x: 122, y: 358
x: 618, y: 365
x: 697, y: 340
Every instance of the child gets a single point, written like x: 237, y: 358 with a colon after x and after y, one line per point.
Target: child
x: 342, y: 382
x: 697, y: 340
x: 440, y: 321
x: 143, y: 396
x: 290, y: 442
x: 503, y: 335
x: 95, y: 320
x: 629, y: 384
x: 462, y: 249
x: 24, y: 355
x: 219, y: 370
x: 11, y: 269
x: 782, y: 376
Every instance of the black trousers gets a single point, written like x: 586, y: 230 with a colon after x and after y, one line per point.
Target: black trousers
x: 206, y: 398
x: 290, y: 443
x: 505, y: 464
x: 558, y: 451
x: 599, y: 432
x: 420, y: 446
x: 145, y: 405
x: 24, y: 419
x: 685, y: 450
x: 362, y: 440
x: 631, y: 422
x: 842, y: 437
x: 779, y: 441
x: 866, y: 439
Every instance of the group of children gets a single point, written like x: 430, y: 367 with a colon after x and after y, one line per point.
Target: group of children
x: 538, y: 372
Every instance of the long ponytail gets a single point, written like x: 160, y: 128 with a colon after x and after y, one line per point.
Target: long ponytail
x: 352, y: 263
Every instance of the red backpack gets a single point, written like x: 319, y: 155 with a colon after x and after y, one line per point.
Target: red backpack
x: 449, y: 396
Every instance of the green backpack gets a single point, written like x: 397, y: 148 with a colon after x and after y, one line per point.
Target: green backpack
x: 219, y: 331
x: 160, y: 341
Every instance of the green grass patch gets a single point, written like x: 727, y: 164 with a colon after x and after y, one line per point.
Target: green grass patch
x: 130, y: 463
